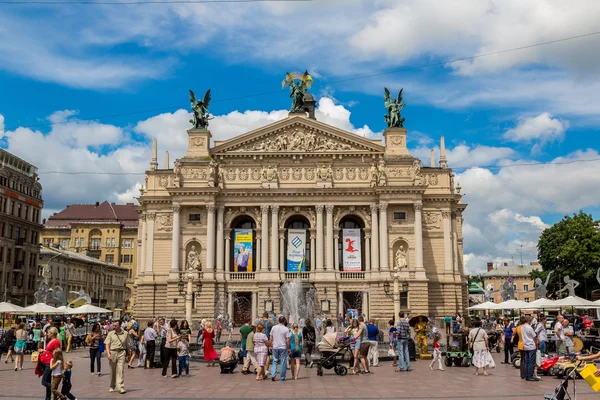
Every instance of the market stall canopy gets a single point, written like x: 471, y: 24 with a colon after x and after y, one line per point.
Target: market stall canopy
x: 488, y: 305
x: 575, y: 302
x: 42, y: 308
x: 87, y: 309
x: 13, y: 309
x: 541, y: 303
x: 512, y: 305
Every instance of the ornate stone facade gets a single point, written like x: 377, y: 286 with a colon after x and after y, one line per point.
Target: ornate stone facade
x: 299, y: 173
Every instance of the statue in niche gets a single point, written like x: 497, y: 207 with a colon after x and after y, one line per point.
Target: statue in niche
x: 400, y: 259
x: 193, y: 259
x: 212, y: 173
x: 221, y: 178
x: 394, y: 107
x: 378, y: 175
x: 200, y: 111
x: 570, y: 285
x: 177, y: 172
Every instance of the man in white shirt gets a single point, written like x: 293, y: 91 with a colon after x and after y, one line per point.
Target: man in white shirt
x: 280, y: 342
x: 560, y: 334
x: 150, y: 336
x: 568, y: 336
x: 530, y: 347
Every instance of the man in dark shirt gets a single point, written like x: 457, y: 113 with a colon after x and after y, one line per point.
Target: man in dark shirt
x: 508, y: 345
x: 403, y: 334
x: 373, y: 332
x: 244, y: 332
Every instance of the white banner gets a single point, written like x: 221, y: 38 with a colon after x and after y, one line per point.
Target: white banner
x: 351, y: 250
x: 296, y: 248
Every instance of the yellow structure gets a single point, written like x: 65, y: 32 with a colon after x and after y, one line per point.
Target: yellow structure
x: 105, y: 231
x: 421, y: 329
x: 524, y: 286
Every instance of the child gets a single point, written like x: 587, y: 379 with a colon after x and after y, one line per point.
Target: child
x: 437, y: 353
x: 66, y: 387
x: 183, y: 354
x: 56, y: 366
x: 393, y: 342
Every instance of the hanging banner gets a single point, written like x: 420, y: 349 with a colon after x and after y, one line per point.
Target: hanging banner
x: 296, y: 248
x: 242, y: 250
x: 351, y: 256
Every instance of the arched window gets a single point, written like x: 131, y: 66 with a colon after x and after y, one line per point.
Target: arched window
x: 243, y: 239
x: 351, y: 222
x: 298, y: 222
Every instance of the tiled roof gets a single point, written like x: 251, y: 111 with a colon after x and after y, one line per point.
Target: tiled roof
x: 518, y: 270
x: 95, y: 213
x: 44, y: 250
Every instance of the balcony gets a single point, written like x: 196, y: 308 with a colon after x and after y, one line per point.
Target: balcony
x: 20, y: 241
x: 240, y: 276
x: 292, y: 276
x: 352, y: 276
x: 93, y: 252
x: 19, y: 265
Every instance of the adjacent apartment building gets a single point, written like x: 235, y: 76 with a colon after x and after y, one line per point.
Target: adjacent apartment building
x: 104, y: 231
x: 523, y: 284
x: 20, y: 212
x: 75, y: 272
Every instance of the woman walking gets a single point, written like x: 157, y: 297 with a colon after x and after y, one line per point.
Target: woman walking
x: 10, y: 340
x: 37, y: 333
x: 481, y: 356
x: 46, y: 358
x: 20, y: 344
x: 171, y: 350
x: 133, y: 344
x: 310, y: 337
x: 296, y: 350
x: 261, y: 350
x: 94, y: 339
x: 355, y: 347
x: 210, y: 354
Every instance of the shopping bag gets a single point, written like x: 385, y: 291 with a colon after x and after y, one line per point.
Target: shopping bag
x: 490, y: 361
x: 538, y: 358
x: 391, y: 352
x: 35, y: 356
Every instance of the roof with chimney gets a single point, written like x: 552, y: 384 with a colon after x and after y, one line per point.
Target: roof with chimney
x: 515, y: 271
x: 100, y: 213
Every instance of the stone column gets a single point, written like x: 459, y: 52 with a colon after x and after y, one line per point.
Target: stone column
x: 374, y: 238
x: 230, y: 304
x: 365, y: 305
x: 341, y: 303
x: 274, y: 238
x: 257, y: 258
x: 336, y: 253
x: 175, y: 242
x: 282, y: 250
x: 313, y: 251
x: 210, y: 238
x: 330, y: 250
x: 367, y: 252
x: 150, y: 242
x: 447, y: 242
x: 254, y: 302
x: 143, y: 250
x: 228, y: 251
x: 418, y: 235
x: 319, y: 263
x: 264, y: 238
x: 383, y: 235
x: 454, y: 244
x: 220, y: 240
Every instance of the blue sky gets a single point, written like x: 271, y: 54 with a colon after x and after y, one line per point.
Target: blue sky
x: 62, y: 68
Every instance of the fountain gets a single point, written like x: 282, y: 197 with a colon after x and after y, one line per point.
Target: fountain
x: 297, y: 301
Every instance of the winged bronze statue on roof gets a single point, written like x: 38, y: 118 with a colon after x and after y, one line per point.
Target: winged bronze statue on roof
x: 394, y: 107
x: 299, y: 85
x: 200, y: 111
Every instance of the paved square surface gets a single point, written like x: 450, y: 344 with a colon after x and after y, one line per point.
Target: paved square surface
x: 454, y: 383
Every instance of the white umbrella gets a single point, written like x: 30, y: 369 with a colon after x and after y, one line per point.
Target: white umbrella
x: 42, y: 308
x: 541, y: 304
x: 488, y: 305
x: 575, y: 302
x: 512, y: 305
x: 88, y: 309
x: 13, y: 309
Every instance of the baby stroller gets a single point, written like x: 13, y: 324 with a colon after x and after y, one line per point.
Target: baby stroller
x: 562, y: 390
x: 332, y: 352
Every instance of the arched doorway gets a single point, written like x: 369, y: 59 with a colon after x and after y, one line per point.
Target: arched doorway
x: 243, y: 237
x: 351, y: 233
x: 299, y: 253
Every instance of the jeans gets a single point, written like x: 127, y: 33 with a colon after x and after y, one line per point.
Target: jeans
x: 279, y: 357
x: 95, y: 355
x: 403, y: 354
x: 543, y: 347
x: 529, y: 363
x: 47, y: 381
x: 184, y: 364
x: 508, y: 350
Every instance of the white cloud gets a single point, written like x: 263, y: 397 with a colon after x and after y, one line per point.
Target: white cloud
x: 541, y: 129
x: 464, y: 156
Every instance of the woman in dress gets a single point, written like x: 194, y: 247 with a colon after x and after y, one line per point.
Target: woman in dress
x: 355, y: 347
x: 210, y: 354
x: 261, y: 350
x: 133, y: 343
x: 20, y: 345
x: 296, y: 350
x: 481, y: 356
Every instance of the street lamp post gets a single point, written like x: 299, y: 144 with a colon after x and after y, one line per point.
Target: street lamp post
x: 188, y: 293
x: 396, y: 293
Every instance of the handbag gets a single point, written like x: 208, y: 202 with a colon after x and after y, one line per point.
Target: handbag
x: 101, y: 346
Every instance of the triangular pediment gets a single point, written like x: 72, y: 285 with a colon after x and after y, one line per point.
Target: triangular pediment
x: 298, y: 134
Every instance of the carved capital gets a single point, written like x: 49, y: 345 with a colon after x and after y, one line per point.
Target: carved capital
x: 264, y: 209
x: 373, y: 208
x: 274, y: 210
x: 383, y: 207
x: 176, y: 207
x: 418, y: 205
x: 210, y: 208
x: 221, y: 209
x: 329, y: 209
x: 367, y: 237
x: 445, y: 214
x: 150, y: 216
x: 319, y: 209
x: 453, y: 214
x: 143, y: 217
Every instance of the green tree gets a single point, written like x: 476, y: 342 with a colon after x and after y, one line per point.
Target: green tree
x: 571, y: 247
